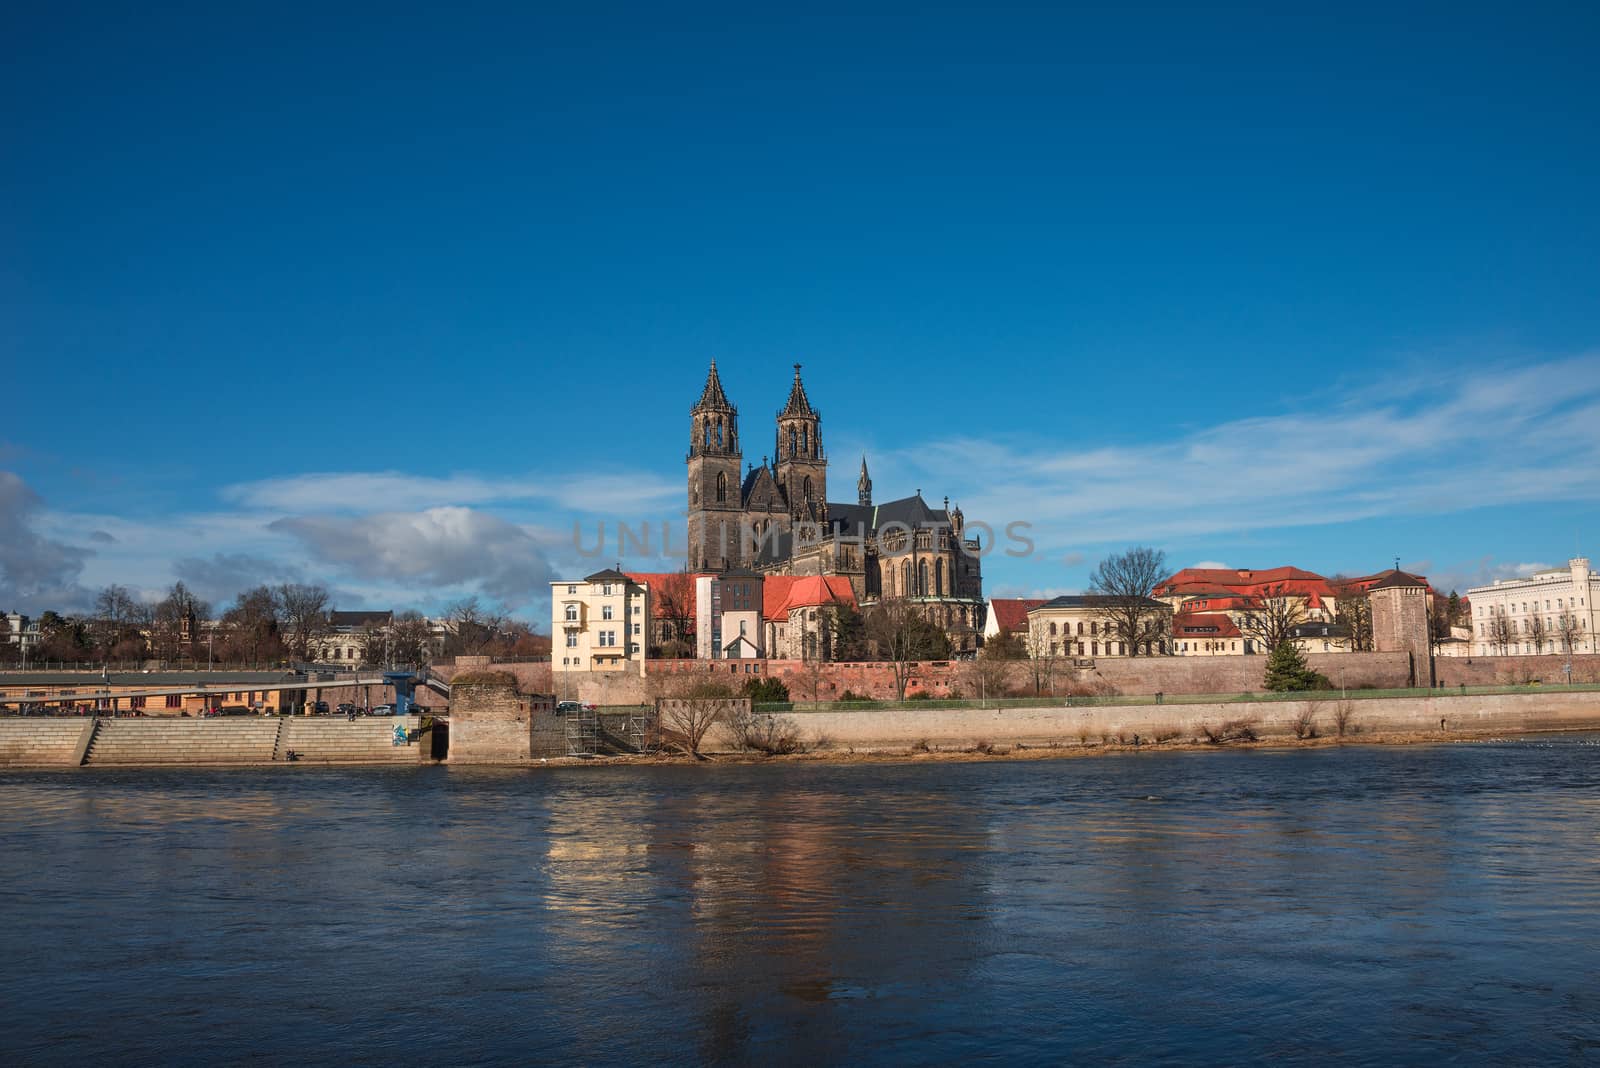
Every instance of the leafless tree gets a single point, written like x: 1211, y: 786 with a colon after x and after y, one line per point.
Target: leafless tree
x: 673, y: 605
x: 302, y: 611
x: 1043, y: 655
x: 252, y: 627
x: 1354, y: 612
x: 1538, y: 633
x: 473, y: 627
x: 175, y: 622
x: 1502, y: 634
x: 1272, y: 614
x: 693, y: 709
x: 901, y: 635
x: 1126, y: 581
x: 1569, y: 632
x: 986, y: 676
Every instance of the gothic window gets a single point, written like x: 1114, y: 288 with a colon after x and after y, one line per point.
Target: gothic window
x: 938, y: 583
x: 905, y: 578
x: 719, y: 433
x: 922, y: 579
x: 706, y: 430
x: 722, y: 486
x: 792, y: 438
x: 805, y: 444
x: 805, y: 489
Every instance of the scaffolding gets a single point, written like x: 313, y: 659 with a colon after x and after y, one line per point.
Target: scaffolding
x: 641, y: 734
x: 583, y: 732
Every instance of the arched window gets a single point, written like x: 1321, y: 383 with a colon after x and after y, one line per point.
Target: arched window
x: 922, y: 579
x: 805, y: 489
x: 719, y: 433
x: 722, y: 486
x: 905, y: 578
x: 1080, y: 628
x: 705, y: 429
x: 805, y: 441
x: 792, y: 439
x: 938, y: 584
x: 1052, y: 630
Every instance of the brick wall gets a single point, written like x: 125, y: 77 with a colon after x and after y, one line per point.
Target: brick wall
x: 1509, y: 670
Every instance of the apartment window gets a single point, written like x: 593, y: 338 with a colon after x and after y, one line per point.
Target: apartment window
x: 605, y: 611
x: 572, y: 589
x: 572, y: 613
x: 606, y: 589
x: 572, y: 641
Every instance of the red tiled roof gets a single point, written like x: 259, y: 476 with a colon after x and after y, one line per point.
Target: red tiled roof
x: 1247, y: 583
x: 1204, y: 625
x: 659, y: 580
x: 810, y: 591
x: 1011, y: 614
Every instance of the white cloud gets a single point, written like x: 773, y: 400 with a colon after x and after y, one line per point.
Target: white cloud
x: 37, y: 571
x: 345, y: 492
x: 1492, y: 437
x: 428, y: 550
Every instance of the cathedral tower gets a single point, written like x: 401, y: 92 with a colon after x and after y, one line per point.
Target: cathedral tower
x: 714, y: 488
x: 864, y: 486
x: 802, y: 464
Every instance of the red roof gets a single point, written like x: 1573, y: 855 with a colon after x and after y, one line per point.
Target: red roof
x: 811, y: 591
x: 1212, y: 581
x: 1204, y: 625
x: 1011, y: 614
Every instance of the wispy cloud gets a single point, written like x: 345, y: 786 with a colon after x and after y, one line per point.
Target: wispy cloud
x: 36, y: 570
x: 1493, y: 436
x: 354, y: 492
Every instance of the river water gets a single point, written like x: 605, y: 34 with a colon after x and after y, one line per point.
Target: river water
x: 1353, y: 905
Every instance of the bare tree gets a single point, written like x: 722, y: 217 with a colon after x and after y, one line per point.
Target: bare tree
x: 1272, y: 614
x: 987, y: 676
x: 672, y: 631
x: 252, y: 627
x: 473, y: 627
x: 1125, y: 580
x: 901, y: 635
x: 175, y: 622
x: 116, y: 629
x: 1501, y: 633
x: 693, y: 710
x: 1354, y: 612
x: 302, y: 610
x: 1043, y: 654
x: 1538, y: 633
x: 1569, y: 632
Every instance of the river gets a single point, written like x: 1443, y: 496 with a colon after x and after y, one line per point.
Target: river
x: 1356, y: 905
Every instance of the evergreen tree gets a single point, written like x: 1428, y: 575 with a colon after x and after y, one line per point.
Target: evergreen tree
x: 1287, y: 670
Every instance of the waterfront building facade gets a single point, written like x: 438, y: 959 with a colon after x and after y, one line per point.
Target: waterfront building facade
x: 599, y: 623
x: 1551, y: 611
x: 1082, y: 626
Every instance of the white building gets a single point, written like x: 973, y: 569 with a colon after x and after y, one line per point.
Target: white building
x: 1547, y: 612
x: 599, y: 622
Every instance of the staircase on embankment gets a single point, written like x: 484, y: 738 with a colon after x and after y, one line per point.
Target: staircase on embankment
x: 47, y: 742
x: 38, y: 741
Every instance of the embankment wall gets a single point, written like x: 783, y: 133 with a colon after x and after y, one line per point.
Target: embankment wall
x: 901, y: 728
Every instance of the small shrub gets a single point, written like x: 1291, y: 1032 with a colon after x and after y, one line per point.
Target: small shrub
x: 1234, y: 730
x: 1344, y: 718
x: 1166, y: 734
x: 766, y: 690
x: 921, y: 746
x: 851, y: 695
x: 920, y: 695
x: 1305, y: 724
x: 982, y: 746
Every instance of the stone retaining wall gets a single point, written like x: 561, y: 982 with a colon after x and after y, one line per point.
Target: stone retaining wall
x: 901, y: 728
x: 33, y: 741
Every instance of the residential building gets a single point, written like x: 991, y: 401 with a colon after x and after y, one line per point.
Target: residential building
x: 1083, y: 626
x: 1206, y: 634
x: 18, y: 630
x: 1550, y: 611
x: 599, y: 623
x: 1009, y: 615
x: 729, y: 615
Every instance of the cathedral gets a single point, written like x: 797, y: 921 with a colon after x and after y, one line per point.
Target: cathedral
x: 775, y: 518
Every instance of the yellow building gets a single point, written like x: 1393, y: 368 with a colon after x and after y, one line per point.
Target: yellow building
x: 599, y: 622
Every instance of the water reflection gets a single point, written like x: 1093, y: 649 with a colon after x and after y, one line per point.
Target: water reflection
x: 1295, y: 905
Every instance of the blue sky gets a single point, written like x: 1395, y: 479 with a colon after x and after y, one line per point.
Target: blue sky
x: 297, y: 292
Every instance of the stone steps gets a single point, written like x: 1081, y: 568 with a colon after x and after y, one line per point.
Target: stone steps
x: 30, y: 741
x: 165, y: 741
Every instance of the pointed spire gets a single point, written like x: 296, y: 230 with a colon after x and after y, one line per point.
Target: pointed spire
x: 864, y: 485
x: 712, y: 396
x: 799, y: 403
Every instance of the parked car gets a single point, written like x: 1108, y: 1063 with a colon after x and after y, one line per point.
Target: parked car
x: 564, y: 707
x: 348, y: 709
x: 320, y: 708
x: 235, y: 710
x: 383, y: 710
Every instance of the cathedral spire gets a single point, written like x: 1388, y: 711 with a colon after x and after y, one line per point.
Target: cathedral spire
x: 864, y: 485
x: 712, y: 398
x: 799, y: 403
